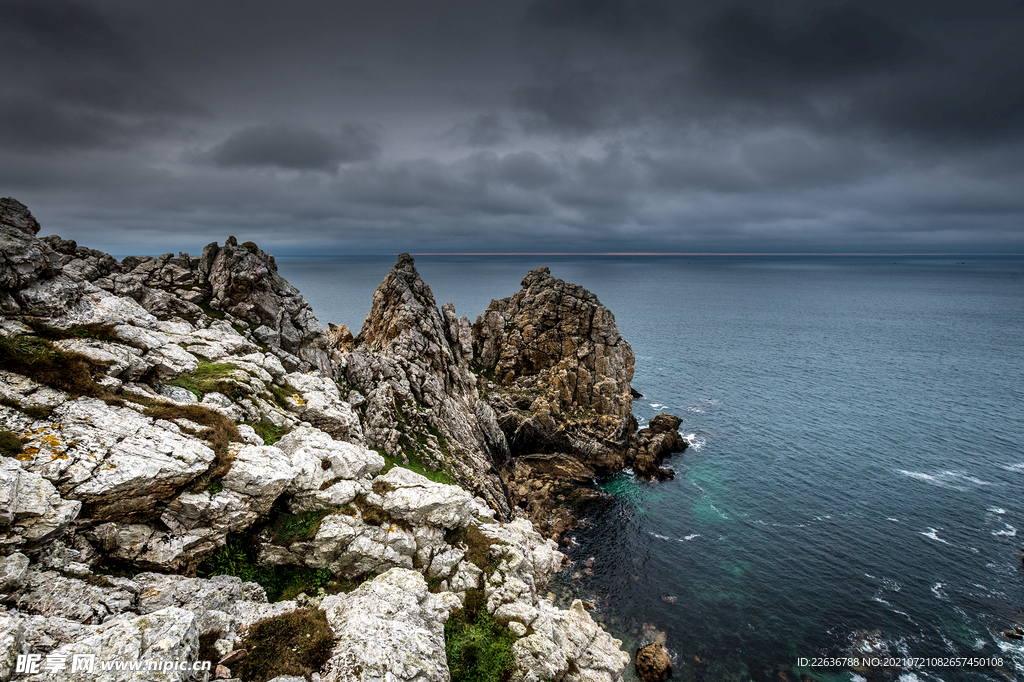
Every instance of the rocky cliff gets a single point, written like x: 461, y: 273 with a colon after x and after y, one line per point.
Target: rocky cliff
x: 560, y: 370
x: 167, y: 418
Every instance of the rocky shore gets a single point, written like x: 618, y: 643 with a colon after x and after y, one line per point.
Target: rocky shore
x: 182, y: 439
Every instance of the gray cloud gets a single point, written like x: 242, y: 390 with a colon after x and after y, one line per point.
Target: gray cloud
x: 289, y: 147
x: 536, y: 125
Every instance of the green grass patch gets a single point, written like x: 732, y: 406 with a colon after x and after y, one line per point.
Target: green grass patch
x: 297, y: 643
x: 10, y: 444
x: 417, y: 465
x: 477, y: 647
x: 209, y: 377
x: 41, y: 361
x: 280, y: 396
x: 268, y: 431
x: 238, y: 558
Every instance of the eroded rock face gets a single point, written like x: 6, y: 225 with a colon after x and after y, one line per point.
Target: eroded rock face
x: 391, y: 627
x: 32, y: 281
x: 245, y: 283
x: 421, y: 397
x: 32, y: 512
x: 561, y: 371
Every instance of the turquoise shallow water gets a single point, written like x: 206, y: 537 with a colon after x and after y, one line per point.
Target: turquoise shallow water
x: 857, y: 462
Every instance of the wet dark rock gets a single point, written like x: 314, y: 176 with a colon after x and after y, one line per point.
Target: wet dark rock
x: 653, y: 663
x: 653, y: 444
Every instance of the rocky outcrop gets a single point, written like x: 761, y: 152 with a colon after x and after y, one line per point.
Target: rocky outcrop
x: 421, y: 400
x: 391, y: 627
x: 32, y: 281
x: 653, y: 663
x: 653, y: 444
x: 561, y: 372
x: 208, y: 408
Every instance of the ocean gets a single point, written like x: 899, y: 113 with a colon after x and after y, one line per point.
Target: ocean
x: 855, y: 477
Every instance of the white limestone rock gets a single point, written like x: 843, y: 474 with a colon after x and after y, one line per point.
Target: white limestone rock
x: 420, y: 501
x: 320, y: 403
x: 12, y: 571
x: 113, y: 458
x: 390, y: 628
x: 170, y: 634
x: 346, y: 460
x: 32, y: 512
x: 50, y: 594
x: 568, y: 646
x: 12, y: 640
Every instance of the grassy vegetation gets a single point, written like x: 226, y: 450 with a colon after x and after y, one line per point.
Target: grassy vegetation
x: 219, y: 431
x: 477, y: 647
x: 209, y: 377
x: 100, y: 332
x: 280, y: 396
x: 41, y: 361
x: 289, y: 528
x: 237, y: 558
x: 10, y: 444
x: 417, y: 465
x: 297, y: 643
x: 268, y: 431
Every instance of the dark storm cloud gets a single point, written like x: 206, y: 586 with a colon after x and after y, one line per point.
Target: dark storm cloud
x: 74, y: 81
x: 285, y: 146
x: 743, y: 44
x: 536, y: 125
x: 485, y: 130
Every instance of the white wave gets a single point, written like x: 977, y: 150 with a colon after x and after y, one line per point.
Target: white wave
x: 857, y: 678
x: 691, y: 537
x: 889, y: 518
x: 718, y: 511
x: 937, y: 591
x: 880, y: 601
x: 696, y: 442
x: 696, y: 410
x: 908, y: 677
x: 954, y: 480
x: 660, y: 537
x: 934, y: 535
x: 1010, y: 531
x: 997, y: 510
x: 657, y: 406
x: 1014, y: 467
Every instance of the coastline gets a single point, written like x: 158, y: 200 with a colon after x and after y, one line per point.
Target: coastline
x: 252, y: 416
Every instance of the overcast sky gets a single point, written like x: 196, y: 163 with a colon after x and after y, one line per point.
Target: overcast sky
x: 550, y: 125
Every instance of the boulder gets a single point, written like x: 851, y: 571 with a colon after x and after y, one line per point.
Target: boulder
x: 32, y: 512
x: 170, y: 635
x: 653, y: 663
x: 391, y: 627
x: 653, y: 444
x: 420, y: 501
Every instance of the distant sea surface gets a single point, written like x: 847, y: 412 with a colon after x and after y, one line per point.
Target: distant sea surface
x: 856, y: 475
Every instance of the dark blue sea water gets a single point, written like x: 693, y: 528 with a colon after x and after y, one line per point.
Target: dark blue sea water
x: 857, y: 463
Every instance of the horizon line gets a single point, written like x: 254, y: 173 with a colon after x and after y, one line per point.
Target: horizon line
x: 695, y: 253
